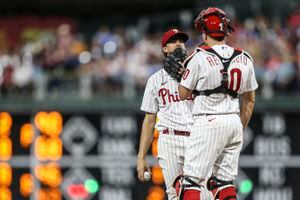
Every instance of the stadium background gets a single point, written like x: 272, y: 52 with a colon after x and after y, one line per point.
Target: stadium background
x: 72, y: 74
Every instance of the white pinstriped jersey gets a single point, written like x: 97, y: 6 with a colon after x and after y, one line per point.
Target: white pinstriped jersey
x: 161, y: 96
x: 204, y: 73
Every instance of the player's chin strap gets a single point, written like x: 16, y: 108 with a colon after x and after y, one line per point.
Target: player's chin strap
x: 183, y: 183
x: 223, y: 88
x: 222, y: 190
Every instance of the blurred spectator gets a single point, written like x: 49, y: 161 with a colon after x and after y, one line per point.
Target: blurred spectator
x: 294, y: 37
x: 118, y: 60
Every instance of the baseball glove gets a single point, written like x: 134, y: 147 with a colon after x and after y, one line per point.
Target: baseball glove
x: 173, y: 63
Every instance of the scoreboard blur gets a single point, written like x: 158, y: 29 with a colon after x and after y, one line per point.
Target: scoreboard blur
x: 50, y: 155
x: 80, y: 156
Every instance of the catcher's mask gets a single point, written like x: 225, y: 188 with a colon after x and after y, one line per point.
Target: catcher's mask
x: 213, y: 22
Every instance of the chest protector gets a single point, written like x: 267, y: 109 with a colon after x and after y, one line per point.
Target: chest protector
x: 223, y: 88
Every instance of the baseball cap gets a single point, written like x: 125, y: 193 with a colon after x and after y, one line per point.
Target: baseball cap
x: 170, y: 34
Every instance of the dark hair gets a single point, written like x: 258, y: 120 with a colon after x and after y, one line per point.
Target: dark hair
x: 164, y: 53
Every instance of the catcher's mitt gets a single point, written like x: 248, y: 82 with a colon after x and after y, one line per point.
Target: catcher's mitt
x: 173, y: 63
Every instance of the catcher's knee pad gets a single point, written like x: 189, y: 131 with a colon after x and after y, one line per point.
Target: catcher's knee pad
x: 186, y: 188
x: 177, y: 183
x: 191, y: 194
x: 222, y: 190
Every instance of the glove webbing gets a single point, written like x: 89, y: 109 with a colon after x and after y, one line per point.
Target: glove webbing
x: 172, y: 63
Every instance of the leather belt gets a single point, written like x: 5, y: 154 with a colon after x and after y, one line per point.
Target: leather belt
x: 176, y: 132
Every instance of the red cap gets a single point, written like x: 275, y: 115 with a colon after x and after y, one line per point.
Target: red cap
x: 170, y: 34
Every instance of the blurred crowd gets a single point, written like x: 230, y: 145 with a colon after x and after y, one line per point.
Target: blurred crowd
x: 116, y: 61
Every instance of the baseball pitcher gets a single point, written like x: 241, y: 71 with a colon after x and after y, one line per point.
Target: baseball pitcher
x: 161, y: 101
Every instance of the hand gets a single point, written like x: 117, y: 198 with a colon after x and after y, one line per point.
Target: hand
x: 142, y: 166
x: 181, y: 70
x: 173, y: 63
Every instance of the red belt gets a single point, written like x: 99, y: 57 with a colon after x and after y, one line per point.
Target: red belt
x: 184, y: 133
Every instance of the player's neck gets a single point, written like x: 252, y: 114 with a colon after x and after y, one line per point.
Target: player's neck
x: 215, y: 43
x: 211, y: 42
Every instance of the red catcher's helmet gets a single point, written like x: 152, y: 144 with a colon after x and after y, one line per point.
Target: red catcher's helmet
x: 213, y: 21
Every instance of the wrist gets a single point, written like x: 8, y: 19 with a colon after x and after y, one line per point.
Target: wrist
x: 141, y: 157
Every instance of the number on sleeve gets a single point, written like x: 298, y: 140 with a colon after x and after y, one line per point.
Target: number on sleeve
x: 186, y: 73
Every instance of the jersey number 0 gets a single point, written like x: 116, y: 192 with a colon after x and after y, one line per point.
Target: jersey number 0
x: 235, y: 79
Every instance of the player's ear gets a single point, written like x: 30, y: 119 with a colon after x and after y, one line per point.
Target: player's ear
x: 165, y: 50
x: 204, y: 38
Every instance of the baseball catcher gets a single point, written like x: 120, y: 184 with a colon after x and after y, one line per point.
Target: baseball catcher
x: 223, y: 75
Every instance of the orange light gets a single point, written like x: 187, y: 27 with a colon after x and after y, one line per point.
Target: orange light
x: 26, y: 135
x: 157, y: 176
x: 5, y: 148
x: 5, y: 123
x: 49, y: 194
x: 156, y: 193
x: 48, y: 148
x: 49, y: 123
x: 56, y: 124
x: 55, y: 148
x: 5, y: 174
x: 154, y: 142
x: 49, y: 174
x: 40, y: 121
x: 154, y: 147
x: 5, y: 193
x: 26, y: 184
x: 156, y: 133
x: 41, y: 147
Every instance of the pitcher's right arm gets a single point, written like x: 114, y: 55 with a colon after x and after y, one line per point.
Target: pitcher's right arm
x: 145, y: 142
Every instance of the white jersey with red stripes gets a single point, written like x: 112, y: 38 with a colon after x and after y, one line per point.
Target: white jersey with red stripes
x: 217, y: 133
x: 161, y: 97
x: 204, y: 73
